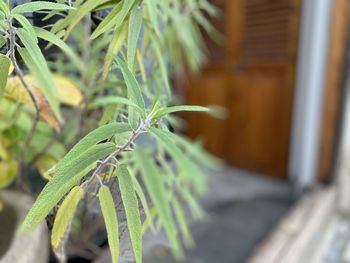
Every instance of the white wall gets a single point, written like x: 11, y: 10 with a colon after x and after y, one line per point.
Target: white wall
x: 311, y: 66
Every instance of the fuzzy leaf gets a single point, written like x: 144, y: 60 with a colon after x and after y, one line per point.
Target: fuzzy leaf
x: 65, y: 214
x: 115, y: 18
x: 188, y: 169
x: 66, y: 177
x: 37, y: 6
x: 110, y: 217
x: 5, y: 63
x: 27, y: 26
x: 135, y: 24
x: 132, y: 210
x: 161, y: 63
x: 2, y: 41
x: 54, y: 39
x: 173, y: 109
x: 152, y: 11
x: 181, y: 219
x: 80, y: 13
x: 100, y: 134
x: 144, y: 203
x: 115, y: 100
x: 156, y: 189
x: 36, y: 63
x: 134, y: 90
x: 115, y: 45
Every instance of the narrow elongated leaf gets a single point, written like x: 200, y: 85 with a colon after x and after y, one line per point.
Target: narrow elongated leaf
x: 132, y: 210
x: 144, y: 203
x: 153, y: 13
x: 181, y: 219
x: 196, y: 209
x: 161, y: 63
x: 188, y: 169
x: 173, y: 109
x: 108, y: 22
x: 116, y: 44
x: 135, y: 24
x: 156, y: 189
x: 110, y: 217
x: 27, y: 26
x: 65, y: 214
x: 100, y: 134
x: 2, y: 41
x: 64, y: 22
x: 66, y: 177
x: 80, y: 13
x: 134, y: 90
x: 5, y: 63
x: 37, y: 6
x: 54, y: 39
x: 36, y: 63
x: 114, y: 19
x: 115, y: 100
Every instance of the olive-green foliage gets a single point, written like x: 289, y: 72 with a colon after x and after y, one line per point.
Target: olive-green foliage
x: 122, y: 69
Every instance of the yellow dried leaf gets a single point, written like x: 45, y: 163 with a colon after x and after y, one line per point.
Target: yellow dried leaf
x: 69, y: 93
x: 15, y: 91
x: 8, y: 171
x: 44, y: 163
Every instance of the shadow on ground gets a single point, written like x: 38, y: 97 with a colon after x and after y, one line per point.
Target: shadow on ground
x: 242, y: 213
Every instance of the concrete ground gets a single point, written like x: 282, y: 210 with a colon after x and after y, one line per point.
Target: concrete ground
x: 243, y: 209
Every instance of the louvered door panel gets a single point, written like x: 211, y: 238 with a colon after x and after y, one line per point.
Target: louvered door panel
x: 255, y: 82
x: 266, y: 32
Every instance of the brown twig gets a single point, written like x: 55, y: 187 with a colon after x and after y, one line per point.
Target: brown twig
x: 19, y: 73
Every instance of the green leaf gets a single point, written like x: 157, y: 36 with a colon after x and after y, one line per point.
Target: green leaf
x: 152, y: 11
x: 5, y: 63
x: 135, y: 24
x: 161, y: 63
x: 195, y: 151
x: 196, y: 209
x: 27, y: 26
x: 108, y: 22
x: 115, y: 18
x: 54, y: 39
x: 168, y: 110
x: 156, y: 189
x: 100, y: 134
x: 36, y: 63
x: 188, y: 169
x: 116, y: 44
x: 39, y: 5
x: 132, y: 210
x: 2, y: 41
x: 80, y: 13
x: 181, y: 219
x: 3, y: 7
x: 115, y: 100
x: 65, y: 214
x: 144, y: 203
x: 134, y: 90
x: 67, y: 176
x: 110, y: 217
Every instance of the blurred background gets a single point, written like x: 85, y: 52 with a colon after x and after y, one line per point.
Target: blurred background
x: 282, y: 72
x: 283, y: 76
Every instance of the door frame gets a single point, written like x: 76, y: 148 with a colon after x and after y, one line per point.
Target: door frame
x: 309, y: 90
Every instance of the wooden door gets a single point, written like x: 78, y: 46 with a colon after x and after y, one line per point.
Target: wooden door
x: 253, y: 77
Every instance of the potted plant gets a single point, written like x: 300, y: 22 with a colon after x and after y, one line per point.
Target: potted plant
x: 86, y: 101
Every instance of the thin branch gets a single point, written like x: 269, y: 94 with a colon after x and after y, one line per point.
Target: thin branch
x: 19, y: 73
